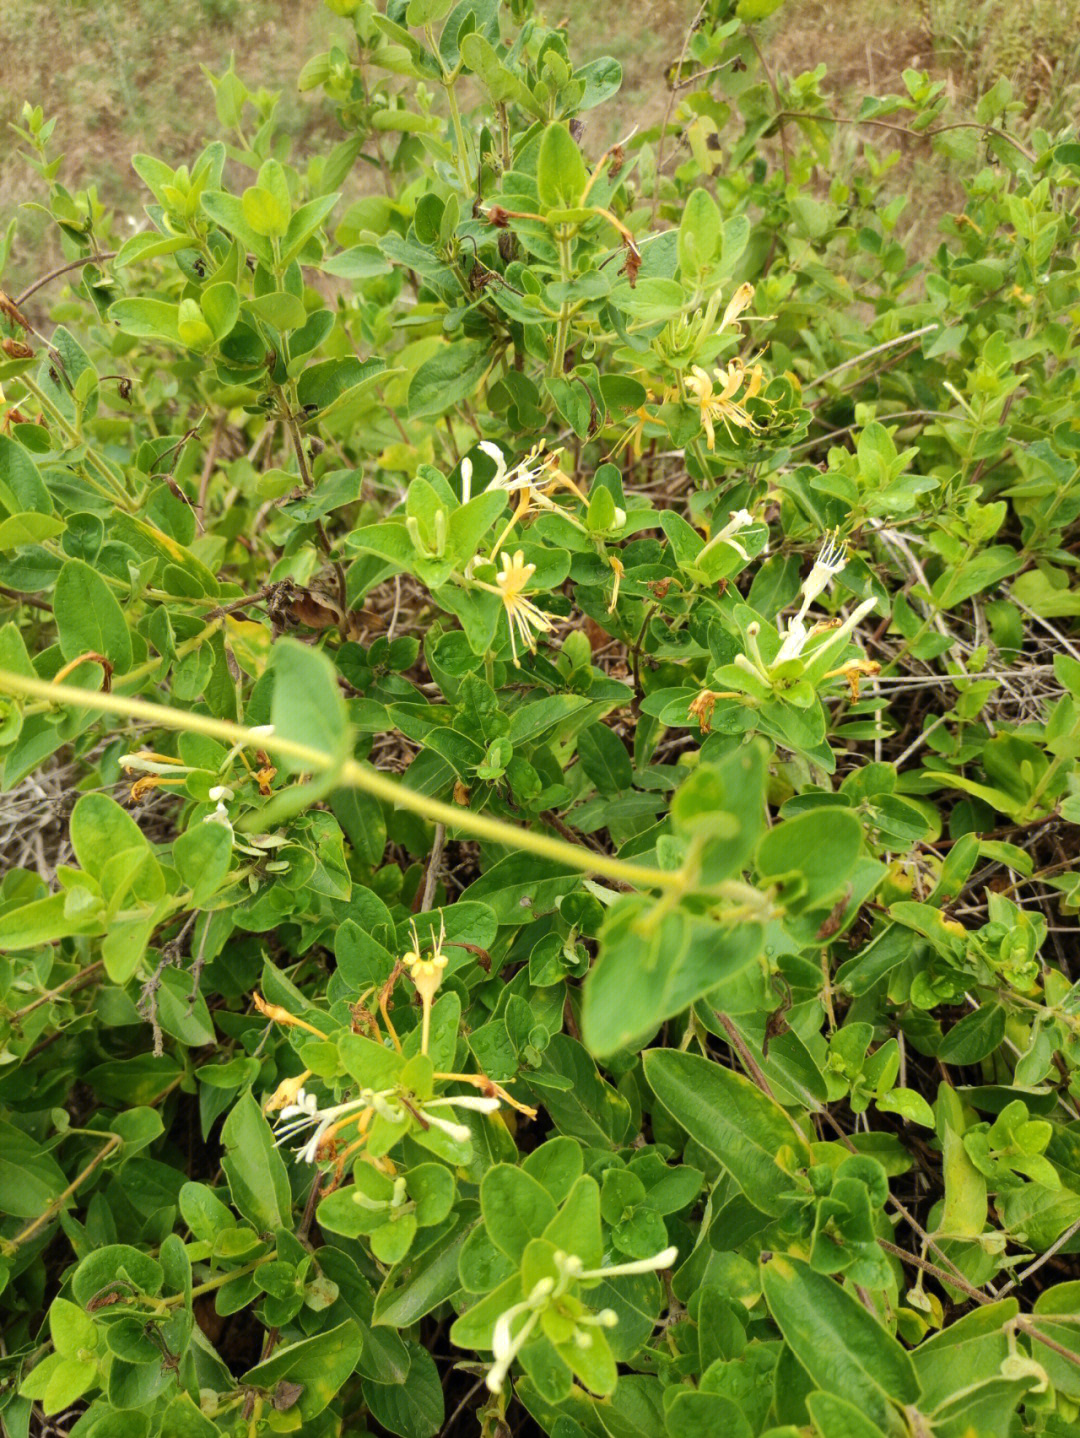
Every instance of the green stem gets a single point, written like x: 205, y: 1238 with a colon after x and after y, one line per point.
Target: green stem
x: 352, y: 774
x: 562, y: 331
x: 115, y: 490
x: 52, y: 1209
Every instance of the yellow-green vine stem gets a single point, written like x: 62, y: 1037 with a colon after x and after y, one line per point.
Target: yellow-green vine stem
x: 351, y: 774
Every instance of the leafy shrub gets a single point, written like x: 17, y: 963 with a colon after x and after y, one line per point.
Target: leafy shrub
x: 558, y: 673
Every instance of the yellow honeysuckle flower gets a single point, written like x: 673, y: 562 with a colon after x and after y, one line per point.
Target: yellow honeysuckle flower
x: 524, y: 618
x: 723, y: 407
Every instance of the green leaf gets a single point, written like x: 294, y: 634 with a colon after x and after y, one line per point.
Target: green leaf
x: 202, y: 856
x: 651, y: 968
x: 279, y: 309
x: 504, y: 87
x: 319, y: 1366
x: 604, y: 758
x: 733, y: 1120
x: 516, y: 1208
x: 706, y: 1415
x: 21, y: 486
x: 88, y: 618
x: 560, y: 170
x: 147, y: 319
x: 307, y: 706
x: 975, y: 1037
x: 101, y: 829
x: 964, y: 1214
x: 414, y: 1409
x: 256, y: 1174
x: 29, y: 528
x: 411, y: 1290
x: 811, y: 856
x: 448, y: 377
x: 845, y: 1349
x: 30, y: 1177
x: 699, y: 234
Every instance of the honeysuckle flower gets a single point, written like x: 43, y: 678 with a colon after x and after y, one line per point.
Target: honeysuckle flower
x: 841, y: 632
x: 739, y: 519
x: 832, y: 558
x: 798, y: 635
x: 723, y: 407
x: 539, y: 473
x: 618, y: 569
x: 219, y: 816
x: 735, y: 306
x: 305, y: 1113
x: 524, y: 475
x: 853, y: 672
x: 572, y: 1266
x: 219, y: 792
x: 493, y: 452
x: 795, y: 638
x: 158, y: 770
x: 523, y: 617
x: 701, y: 708
x: 457, y: 1131
x: 412, y: 526
x: 287, y: 1092
x: 506, y: 1343
x: 426, y: 974
x: 475, y: 1103
x: 257, y: 731
x: 146, y: 761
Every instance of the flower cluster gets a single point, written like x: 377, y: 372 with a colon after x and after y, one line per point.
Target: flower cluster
x: 305, y: 1112
x: 510, y: 1336
x: 831, y: 560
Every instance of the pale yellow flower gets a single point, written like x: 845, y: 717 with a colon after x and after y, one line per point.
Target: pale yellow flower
x: 525, y: 620
x: 724, y: 407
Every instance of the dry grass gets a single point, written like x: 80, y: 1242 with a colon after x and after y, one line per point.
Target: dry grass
x: 124, y: 75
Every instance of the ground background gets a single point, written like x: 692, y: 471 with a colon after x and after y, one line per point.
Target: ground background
x: 124, y: 75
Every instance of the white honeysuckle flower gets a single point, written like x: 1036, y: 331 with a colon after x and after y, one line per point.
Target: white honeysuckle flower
x: 220, y: 816
x: 664, y: 1259
x: 742, y: 662
x: 305, y: 1111
x: 150, y: 763
x: 257, y: 731
x: 797, y: 634
x: 524, y: 474
x: 857, y: 615
x: 304, y: 1104
x: 456, y: 1131
x: 794, y: 639
x: 832, y: 557
x: 505, y: 1343
x: 361, y: 1199
x: 221, y: 791
x: 466, y: 480
x: 474, y: 1102
x: 737, y: 520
